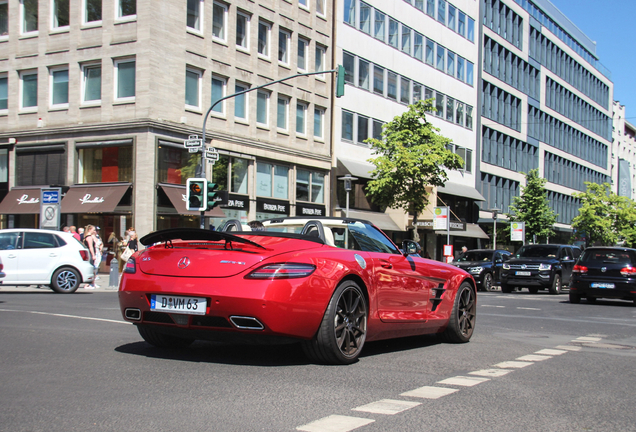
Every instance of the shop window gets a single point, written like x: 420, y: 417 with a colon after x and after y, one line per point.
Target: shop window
x: 176, y: 165
x: 310, y: 186
x: 41, y: 167
x: 357, y: 198
x: 105, y: 164
x: 272, y: 180
x: 230, y: 174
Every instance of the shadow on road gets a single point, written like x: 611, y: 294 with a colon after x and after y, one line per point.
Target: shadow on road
x: 264, y: 355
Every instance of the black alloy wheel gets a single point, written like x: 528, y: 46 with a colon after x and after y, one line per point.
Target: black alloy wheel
x: 463, y: 316
x: 556, y: 285
x: 487, y: 283
x: 343, y: 330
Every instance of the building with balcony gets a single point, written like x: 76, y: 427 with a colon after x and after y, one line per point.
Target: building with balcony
x: 623, y: 154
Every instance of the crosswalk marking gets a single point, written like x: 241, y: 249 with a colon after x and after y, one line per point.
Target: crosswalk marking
x: 533, y: 358
x: 335, y: 423
x: 463, y: 381
x: 491, y: 372
x: 551, y: 352
x: 512, y: 364
x: 429, y: 392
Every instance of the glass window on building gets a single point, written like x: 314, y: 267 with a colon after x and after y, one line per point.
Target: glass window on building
x: 264, y: 31
x: 319, y: 116
x: 126, y: 8
x: 262, y: 107
x: 29, y: 11
x: 321, y: 55
x: 439, y: 104
x: 4, y: 92
x: 301, y: 118
x: 92, y: 83
x: 365, y: 17
x: 272, y: 180
x: 394, y: 28
x: 59, y: 87
x: 302, y: 61
x: 310, y: 186
x: 418, y: 45
x: 92, y: 11
x: 363, y: 129
x: 451, y: 16
x: 441, y: 54
x: 430, y: 52
x: 194, y: 14
x: 377, y: 129
x: 125, y: 77
x: 218, y: 92
x: 470, y: 30
x: 441, y: 11
x: 378, y: 80
x: 350, y: 12
x: 347, y: 125
x: 230, y: 174
x: 391, y: 91
x: 4, y: 165
x: 29, y: 93
x: 219, y: 20
x: 4, y: 19
x: 461, y: 23
x: 363, y: 74
x: 240, y: 102
x: 450, y: 64
x: 348, y: 61
x: 242, y: 31
x: 379, y: 31
x: 60, y: 14
x: 282, y: 112
x: 106, y: 164
x: 284, y: 37
x: 406, y: 39
x: 193, y: 88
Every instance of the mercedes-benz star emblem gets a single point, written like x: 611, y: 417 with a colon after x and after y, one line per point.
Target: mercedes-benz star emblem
x: 184, y: 262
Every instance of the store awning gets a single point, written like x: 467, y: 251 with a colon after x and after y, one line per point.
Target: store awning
x: 21, y: 201
x: 381, y: 220
x: 460, y: 190
x: 94, y: 198
x: 177, y: 196
x: 472, y: 231
x: 357, y: 168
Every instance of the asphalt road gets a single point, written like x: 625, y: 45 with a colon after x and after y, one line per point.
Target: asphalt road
x: 69, y: 363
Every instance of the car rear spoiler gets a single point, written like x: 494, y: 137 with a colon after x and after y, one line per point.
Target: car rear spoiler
x: 168, y: 235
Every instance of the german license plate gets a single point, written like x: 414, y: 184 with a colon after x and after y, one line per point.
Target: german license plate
x: 602, y: 285
x: 179, y: 304
x: 523, y: 273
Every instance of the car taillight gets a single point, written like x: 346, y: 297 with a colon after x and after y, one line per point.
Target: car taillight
x: 628, y: 271
x: 84, y: 254
x: 282, y: 271
x: 131, y: 266
x: 579, y: 269
x: 1, y: 267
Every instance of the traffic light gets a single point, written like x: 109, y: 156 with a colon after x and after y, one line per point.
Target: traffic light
x: 196, y: 198
x: 211, y: 195
x: 340, y: 81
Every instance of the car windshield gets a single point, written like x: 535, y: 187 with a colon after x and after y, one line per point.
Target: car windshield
x: 476, y: 256
x: 605, y: 256
x: 537, y: 251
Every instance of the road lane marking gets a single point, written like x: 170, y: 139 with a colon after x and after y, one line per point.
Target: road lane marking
x: 495, y: 306
x: 335, y: 423
x: 587, y: 339
x: 429, y: 392
x: 463, y: 381
x: 491, y: 372
x: 550, y: 352
x: 568, y: 348
x: 524, y: 308
x: 533, y: 358
x: 67, y: 316
x: 596, y: 321
x: 387, y: 406
x: 512, y: 364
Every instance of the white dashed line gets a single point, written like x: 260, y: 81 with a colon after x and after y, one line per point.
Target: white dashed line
x: 67, y: 316
x: 533, y: 358
x: 495, y: 306
x: 387, y: 406
x: 568, y: 348
x: 491, y: 372
x: 522, y: 308
x: 512, y: 364
x: 550, y: 352
x: 587, y: 339
x: 335, y: 423
x: 463, y: 381
x: 429, y: 392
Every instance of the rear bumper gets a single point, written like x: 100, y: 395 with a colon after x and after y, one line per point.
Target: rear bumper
x: 621, y: 290
x: 287, y: 308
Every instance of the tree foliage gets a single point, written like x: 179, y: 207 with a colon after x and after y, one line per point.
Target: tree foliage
x: 605, y: 217
x: 410, y: 157
x: 533, y: 208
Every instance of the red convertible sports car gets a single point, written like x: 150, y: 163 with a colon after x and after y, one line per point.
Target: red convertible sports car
x: 330, y: 283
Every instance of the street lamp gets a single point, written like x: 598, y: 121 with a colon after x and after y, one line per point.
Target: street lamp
x: 348, y: 178
x: 494, y: 211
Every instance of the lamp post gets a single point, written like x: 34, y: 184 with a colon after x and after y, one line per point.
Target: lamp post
x: 348, y: 178
x: 494, y: 211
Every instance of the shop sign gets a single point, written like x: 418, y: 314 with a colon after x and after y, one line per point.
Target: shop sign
x: 429, y: 224
x: 24, y: 199
x: 237, y: 202
x: 87, y: 199
x: 310, y: 210
x: 272, y: 206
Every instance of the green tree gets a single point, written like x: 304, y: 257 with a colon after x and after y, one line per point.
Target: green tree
x: 411, y: 156
x: 533, y: 207
x: 605, y: 217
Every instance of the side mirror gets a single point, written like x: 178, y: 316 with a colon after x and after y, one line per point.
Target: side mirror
x: 410, y: 247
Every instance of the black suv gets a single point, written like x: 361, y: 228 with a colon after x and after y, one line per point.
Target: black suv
x: 484, y: 265
x: 538, y: 267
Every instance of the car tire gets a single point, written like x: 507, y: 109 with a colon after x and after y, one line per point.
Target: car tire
x: 533, y: 290
x: 162, y: 340
x: 487, y: 283
x: 505, y: 288
x: 343, y: 329
x: 555, y: 288
x: 65, y: 280
x: 461, y: 323
x: 575, y: 298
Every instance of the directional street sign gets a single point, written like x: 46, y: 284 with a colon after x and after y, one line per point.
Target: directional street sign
x: 212, y: 155
x: 193, y: 142
x: 50, y: 197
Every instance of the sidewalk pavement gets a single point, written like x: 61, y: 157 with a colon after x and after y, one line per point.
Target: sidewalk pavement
x: 102, y: 283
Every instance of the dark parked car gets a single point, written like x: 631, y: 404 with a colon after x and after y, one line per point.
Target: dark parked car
x: 540, y: 266
x: 604, y: 272
x: 484, y: 265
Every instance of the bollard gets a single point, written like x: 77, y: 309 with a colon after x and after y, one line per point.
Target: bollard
x: 113, y: 280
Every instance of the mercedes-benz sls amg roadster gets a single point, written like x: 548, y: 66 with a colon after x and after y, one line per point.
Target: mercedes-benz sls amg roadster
x: 330, y: 283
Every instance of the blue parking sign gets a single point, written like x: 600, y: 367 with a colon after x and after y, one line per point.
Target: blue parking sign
x: 50, y: 197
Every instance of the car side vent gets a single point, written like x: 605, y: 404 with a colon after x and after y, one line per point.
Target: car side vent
x: 435, y: 301
x: 210, y: 321
x: 158, y: 317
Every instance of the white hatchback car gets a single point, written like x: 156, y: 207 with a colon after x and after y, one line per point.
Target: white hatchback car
x: 44, y: 257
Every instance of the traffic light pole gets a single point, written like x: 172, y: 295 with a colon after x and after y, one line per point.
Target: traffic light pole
x: 202, y: 169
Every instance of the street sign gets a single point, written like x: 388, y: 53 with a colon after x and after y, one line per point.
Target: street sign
x: 50, y: 208
x: 193, y: 142
x: 212, y: 155
x: 50, y: 197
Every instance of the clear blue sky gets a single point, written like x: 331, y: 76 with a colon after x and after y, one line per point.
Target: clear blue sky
x: 612, y: 25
